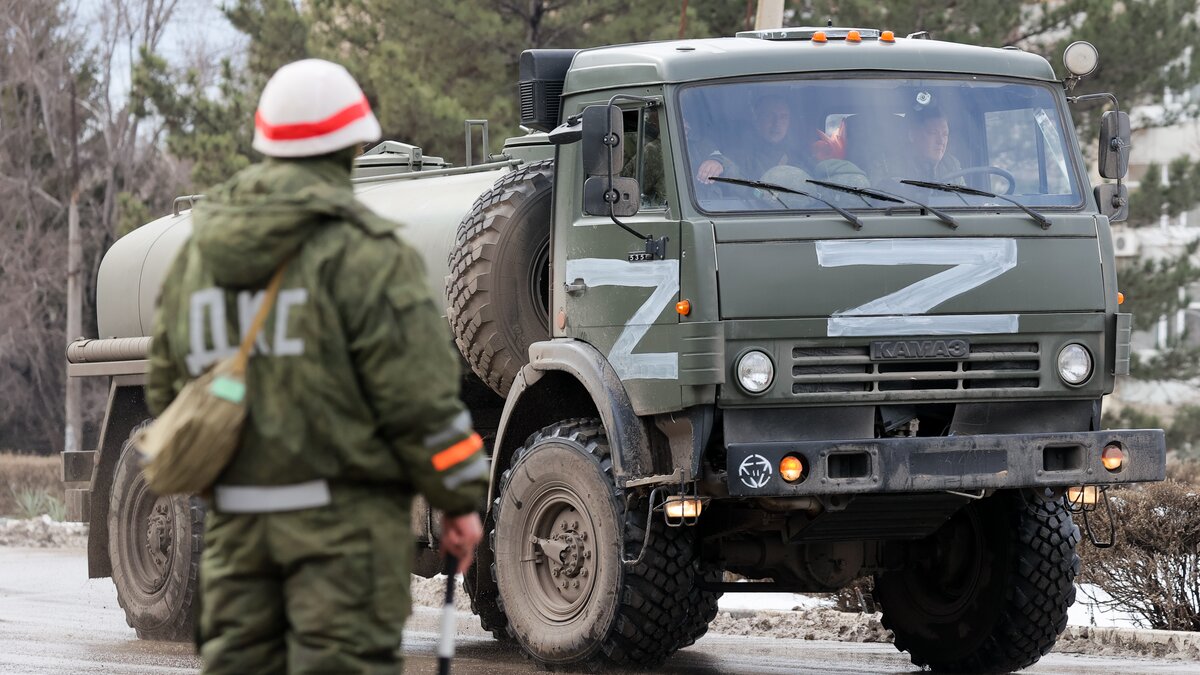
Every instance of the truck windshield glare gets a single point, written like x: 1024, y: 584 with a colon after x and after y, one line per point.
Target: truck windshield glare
x: 994, y: 136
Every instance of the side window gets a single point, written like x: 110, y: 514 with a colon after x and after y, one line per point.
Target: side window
x: 644, y: 156
x: 1026, y: 143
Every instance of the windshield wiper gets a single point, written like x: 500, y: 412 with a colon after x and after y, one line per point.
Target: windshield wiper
x: 887, y: 197
x: 773, y: 189
x: 962, y: 189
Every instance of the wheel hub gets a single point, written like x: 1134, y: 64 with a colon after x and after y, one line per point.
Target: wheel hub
x: 158, y: 535
x: 561, y: 563
x: 151, y: 548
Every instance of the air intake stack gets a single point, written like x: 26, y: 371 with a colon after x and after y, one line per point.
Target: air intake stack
x: 542, y: 74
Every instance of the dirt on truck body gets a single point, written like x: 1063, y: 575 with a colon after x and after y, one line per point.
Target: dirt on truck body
x: 803, y: 305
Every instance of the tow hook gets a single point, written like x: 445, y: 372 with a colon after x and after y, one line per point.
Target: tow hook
x: 1086, y: 500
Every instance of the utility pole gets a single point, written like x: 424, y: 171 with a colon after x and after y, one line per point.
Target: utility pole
x: 770, y: 15
x: 71, y: 440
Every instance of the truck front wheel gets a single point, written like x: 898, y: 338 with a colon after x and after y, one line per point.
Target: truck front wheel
x: 561, y: 531
x: 154, y: 546
x: 989, y: 591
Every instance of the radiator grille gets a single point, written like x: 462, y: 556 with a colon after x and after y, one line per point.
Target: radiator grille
x: 850, y: 370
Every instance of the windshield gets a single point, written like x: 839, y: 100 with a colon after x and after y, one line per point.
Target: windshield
x: 1000, y: 137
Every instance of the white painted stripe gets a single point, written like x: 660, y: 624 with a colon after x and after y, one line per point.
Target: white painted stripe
x: 975, y: 261
x: 449, y: 625
x: 663, y: 276
x: 976, y: 324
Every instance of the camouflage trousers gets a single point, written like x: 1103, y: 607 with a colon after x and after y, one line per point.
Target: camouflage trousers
x: 322, y: 590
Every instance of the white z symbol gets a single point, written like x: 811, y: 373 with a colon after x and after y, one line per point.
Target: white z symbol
x: 663, y: 276
x: 976, y: 261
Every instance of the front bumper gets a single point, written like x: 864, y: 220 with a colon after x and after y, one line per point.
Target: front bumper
x: 926, y: 464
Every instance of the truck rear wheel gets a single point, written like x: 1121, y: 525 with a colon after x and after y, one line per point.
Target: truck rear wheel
x: 989, y: 591
x: 498, y: 288
x: 561, y: 531
x: 154, y: 545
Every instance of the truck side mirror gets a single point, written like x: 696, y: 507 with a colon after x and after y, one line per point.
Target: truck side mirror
x: 1114, y: 144
x: 1113, y: 200
x: 622, y: 193
x: 603, y: 140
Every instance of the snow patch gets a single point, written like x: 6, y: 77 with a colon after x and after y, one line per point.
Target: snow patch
x: 42, y: 532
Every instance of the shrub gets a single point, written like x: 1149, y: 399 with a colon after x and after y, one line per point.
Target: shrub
x: 34, y: 503
x: 21, y: 474
x: 1153, y: 570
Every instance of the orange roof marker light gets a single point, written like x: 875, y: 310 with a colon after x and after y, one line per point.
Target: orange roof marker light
x: 819, y: 37
x: 887, y: 36
x: 683, y: 307
x: 853, y: 36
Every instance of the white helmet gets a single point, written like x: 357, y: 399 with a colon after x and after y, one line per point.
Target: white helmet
x: 312, y: 107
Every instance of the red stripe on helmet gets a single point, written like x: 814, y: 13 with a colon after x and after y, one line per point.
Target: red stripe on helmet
x: 303, y: 130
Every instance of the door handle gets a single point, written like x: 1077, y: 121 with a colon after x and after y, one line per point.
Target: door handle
x: 575, y: 287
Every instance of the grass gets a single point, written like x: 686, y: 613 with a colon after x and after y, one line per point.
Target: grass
x: 31, y: 486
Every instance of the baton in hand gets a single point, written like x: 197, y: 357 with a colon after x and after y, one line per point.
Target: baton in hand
x: 449, y: 620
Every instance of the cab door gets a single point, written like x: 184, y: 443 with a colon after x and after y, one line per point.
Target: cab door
x: 607, y: 291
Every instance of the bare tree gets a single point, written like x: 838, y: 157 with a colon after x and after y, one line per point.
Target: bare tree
x: 45, y: 55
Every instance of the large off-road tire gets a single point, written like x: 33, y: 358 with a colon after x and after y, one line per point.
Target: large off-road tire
x: 703, y: 605
x: 586, y: 608
x: 498, y: 288
x: 154, y: 545
x: 989, y: 591
x: 485, y: 598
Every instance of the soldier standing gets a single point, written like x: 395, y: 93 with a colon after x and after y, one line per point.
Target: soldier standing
x: 352, y: 397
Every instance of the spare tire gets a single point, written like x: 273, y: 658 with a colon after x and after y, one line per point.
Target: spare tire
x: 498, y: 289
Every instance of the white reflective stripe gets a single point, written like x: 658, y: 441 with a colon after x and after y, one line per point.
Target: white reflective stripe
x: 449, y: 626
x: 271, y: 498
x: 475, y: 469
x: 460, y: 426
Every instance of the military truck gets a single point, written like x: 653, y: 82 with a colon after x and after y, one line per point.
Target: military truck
x: 766, y: 313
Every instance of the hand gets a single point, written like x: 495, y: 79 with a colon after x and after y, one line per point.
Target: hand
x: 708, y: 169
x: 460, y: 536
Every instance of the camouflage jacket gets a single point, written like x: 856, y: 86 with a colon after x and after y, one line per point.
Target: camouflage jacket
x: 353, y: 377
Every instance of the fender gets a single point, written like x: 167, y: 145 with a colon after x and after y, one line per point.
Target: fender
x: 571, y: 368
x: 126, y: 409
x: 579, y: 382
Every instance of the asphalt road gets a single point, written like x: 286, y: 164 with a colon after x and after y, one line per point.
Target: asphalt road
x: 53, y: 619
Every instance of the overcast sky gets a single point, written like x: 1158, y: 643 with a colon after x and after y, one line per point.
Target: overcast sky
x: 198, y: 30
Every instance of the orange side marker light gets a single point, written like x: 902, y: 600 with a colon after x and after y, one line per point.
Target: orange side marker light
x: 683, y: 307
x: 1112, y: 457
x: 1120, y: 298
x: 791, y: 468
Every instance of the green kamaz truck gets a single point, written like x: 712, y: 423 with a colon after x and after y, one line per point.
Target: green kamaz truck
x: 794, y: 307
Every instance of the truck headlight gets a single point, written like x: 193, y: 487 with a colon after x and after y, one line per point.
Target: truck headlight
x: 1074, y: 364
x: 755, y: 372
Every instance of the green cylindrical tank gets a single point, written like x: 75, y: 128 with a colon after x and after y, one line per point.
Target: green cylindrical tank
x: 428, y: 206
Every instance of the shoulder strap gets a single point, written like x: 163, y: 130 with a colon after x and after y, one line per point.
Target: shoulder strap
x: 243, y: 355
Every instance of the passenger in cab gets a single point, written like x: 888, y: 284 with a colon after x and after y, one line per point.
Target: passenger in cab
x: 769, y: 147
x: 929, y: 133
